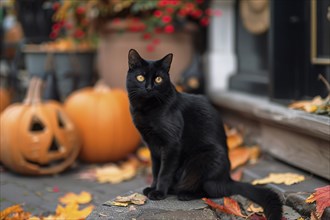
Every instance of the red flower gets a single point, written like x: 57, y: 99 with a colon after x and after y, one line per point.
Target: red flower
x: 173, y: 2
x: 167, y: 19
x: 204, y: 21
x: 170, y: 10
x: 197, y: 13
x: 162, y: 3
x: 158, y: 13
x: 56, y: 5
x: 169, y: 29
x: 79, y: 33
x: 56, y: 26
x: 53, y: 35
x: 199, y: 1
x: 80, y: 10
x: 183, y: 12
x: 189, y: 6
x: 150, y: 48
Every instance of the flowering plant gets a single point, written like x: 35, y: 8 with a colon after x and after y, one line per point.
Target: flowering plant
x: 145, y: 16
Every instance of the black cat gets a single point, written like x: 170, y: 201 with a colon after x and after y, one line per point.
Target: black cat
x: 186, y: 138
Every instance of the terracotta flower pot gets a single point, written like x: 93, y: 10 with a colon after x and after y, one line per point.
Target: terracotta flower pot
x: 113, y: 51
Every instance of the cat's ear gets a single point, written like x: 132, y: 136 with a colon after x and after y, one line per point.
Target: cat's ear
x: 134, y: 59
x: 166, y: 61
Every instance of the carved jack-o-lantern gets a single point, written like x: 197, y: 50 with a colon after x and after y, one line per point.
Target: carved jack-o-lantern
x: 37, y: 138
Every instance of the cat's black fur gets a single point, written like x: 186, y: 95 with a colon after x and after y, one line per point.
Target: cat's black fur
x: 186, y: 138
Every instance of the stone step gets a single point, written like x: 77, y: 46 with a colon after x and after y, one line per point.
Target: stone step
x: 293, y: 196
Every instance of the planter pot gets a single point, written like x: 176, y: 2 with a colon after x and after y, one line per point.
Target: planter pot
x: 113, y: 50
x: 71, y: 69
x: 35, y: 17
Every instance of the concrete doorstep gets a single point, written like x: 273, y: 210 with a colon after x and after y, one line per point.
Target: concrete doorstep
x: 171, y: 208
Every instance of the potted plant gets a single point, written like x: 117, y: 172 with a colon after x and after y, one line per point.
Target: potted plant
x: 68, y: 60
x: 153, y: 27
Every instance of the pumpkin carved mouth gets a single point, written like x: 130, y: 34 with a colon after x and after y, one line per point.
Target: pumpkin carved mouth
x: 46, y: 166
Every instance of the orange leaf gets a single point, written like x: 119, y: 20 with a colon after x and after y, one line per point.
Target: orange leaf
x: 144, y: 154
x: 254, y: 153
x: 234, y: 139
x: 237, y: 175
x: 238, y: 157
x: 230, y: 206
x: 82, y: 198
x: 71, y: 211
x: 322, y: 198
x: 10, y: 210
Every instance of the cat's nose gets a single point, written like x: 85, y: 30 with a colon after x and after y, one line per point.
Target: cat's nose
x: 148, y: 88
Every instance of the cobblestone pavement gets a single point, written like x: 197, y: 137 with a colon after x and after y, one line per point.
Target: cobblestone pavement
x: 40, y: 194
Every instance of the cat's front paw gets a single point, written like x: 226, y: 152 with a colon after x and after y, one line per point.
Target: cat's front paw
x: 147, y: 190
x: 156, y: 195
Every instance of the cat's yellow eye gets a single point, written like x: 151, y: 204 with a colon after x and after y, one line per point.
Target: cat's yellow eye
x: 140, y: 78
x: 159, y: 80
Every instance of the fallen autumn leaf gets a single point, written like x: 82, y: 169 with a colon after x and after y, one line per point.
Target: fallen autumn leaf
x: 230, y: 206
x: 82, y: 198
x: 10, y: 210
x: 280, y: 178
x: 322, y: 198
x: 238, y: 157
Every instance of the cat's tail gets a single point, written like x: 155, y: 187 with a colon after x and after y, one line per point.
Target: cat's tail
x: 266, y: 198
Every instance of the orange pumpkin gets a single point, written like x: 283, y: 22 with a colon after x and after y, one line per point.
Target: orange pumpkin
x: 102, y: 118
x: 4, y: 99
x: 37, y: 138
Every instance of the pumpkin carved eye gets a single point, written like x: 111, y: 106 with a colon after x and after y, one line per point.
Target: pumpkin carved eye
x: 140, y: 78
x: 36, y: 125
x: 159, y: 80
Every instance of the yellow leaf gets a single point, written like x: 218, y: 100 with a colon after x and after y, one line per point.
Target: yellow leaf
x: 115, y: 174
x: 311, y: 198
x: 310, y: 108
x: 255, y: 209
x: 144, y: 154
x: 10, y: 210
x: 280, y: 178
x: 34, y: 218
x: 123, y: 204
x: 71, y: 211
x: 82, y: 198
x: 135, y: 198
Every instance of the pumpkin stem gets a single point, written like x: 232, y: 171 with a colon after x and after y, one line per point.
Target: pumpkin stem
x: 36, y: 97
x: 30, y: 92
x: 101, y: 86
